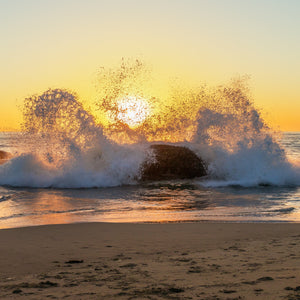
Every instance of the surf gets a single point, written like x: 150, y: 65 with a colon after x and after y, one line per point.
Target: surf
x: 65, y: 145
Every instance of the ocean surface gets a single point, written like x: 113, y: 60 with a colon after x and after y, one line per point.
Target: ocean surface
x: 260, y: 183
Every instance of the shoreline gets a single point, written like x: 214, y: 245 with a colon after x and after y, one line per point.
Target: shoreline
x: 207, y: 221
x: 278, y: 222
x: 207, y: 260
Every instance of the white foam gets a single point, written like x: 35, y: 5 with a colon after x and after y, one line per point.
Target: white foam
x: 64, y: 147
x: 117, y: 167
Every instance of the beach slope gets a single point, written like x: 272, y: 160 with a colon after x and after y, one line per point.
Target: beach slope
x: 151, y: 261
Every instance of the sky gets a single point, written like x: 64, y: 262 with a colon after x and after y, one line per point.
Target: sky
x: 63, y: 43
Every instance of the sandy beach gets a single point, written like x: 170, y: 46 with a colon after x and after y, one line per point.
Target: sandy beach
x: 151, y: 261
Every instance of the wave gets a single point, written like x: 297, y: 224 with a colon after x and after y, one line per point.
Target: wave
x: 92, y: 169
x: 65, y: 145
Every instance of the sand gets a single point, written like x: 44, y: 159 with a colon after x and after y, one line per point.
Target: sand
x: 151, y: 261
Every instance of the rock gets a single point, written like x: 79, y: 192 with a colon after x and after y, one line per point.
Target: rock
x: 172, y: 162
x: 4, y: 156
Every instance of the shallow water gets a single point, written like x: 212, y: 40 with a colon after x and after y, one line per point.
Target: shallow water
x: 168, y: 201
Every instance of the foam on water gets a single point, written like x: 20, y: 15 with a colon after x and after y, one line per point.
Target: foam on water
x: 247, y: 155
x: 64, y: 145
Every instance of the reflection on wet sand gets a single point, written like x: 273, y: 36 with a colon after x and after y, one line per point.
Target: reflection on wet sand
x: 173, y: 201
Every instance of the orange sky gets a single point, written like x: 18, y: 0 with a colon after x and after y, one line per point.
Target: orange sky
x: 48, y: 44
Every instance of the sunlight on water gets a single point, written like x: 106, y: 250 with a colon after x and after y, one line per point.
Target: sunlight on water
x: 65, y: 145
x: 165, y: 202
x: 133, y: 111
x: 253, y: 173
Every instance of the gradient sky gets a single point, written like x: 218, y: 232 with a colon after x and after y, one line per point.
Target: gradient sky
x: 63, y: 43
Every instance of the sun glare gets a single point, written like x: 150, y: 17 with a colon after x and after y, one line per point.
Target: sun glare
x: 133, y: 110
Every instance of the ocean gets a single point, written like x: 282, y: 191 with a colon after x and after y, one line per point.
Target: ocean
x: 258, y: 184
x: 73, y: 162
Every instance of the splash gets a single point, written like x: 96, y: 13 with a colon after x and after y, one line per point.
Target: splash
x: 66, y: 145
x: 237, y: 144
x: 133, y: 111
x: 62, y: 146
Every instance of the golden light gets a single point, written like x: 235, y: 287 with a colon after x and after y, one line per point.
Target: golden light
x: 133, y: 110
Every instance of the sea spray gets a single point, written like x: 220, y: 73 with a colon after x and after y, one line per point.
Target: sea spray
x: 238, y: 146
x: 65, y: 145
x: 62, y: 146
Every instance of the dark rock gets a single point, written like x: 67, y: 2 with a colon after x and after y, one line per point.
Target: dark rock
x: 17, y: 291
x: 172, y: 162
x: 4, y: 156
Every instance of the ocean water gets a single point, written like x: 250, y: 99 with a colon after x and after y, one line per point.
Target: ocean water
x: 196, y: 200
x: 71, y: 163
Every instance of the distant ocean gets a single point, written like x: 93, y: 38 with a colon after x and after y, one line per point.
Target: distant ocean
x: 260, y: 183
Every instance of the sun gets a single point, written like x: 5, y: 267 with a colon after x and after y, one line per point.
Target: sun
x: 133, y: 110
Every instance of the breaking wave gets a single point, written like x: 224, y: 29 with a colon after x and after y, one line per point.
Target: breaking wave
x: 65, y: 145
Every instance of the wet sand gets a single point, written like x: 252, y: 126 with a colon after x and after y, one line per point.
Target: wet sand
x: 151, y: 261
